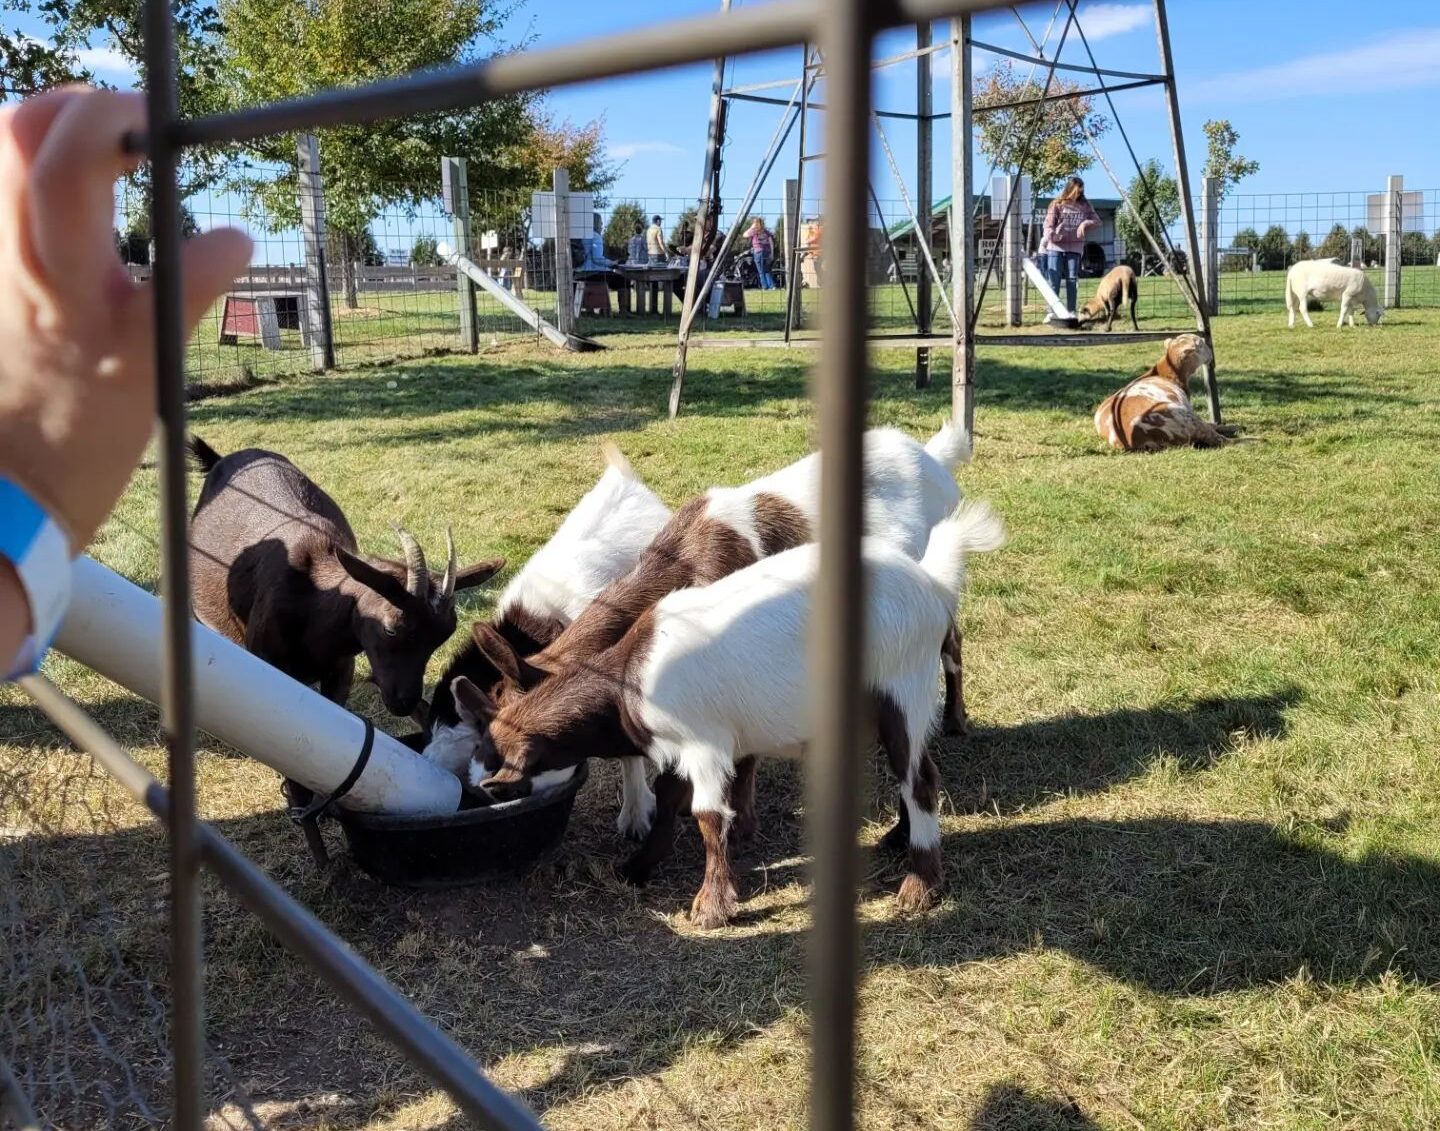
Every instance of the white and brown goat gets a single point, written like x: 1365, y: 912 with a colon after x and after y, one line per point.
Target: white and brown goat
x: 1153, y: 411
x: 600, y: 541
x: 1116, y: 288
x: 712, y: 675
x: 908, y: 489
x: 275, y: 568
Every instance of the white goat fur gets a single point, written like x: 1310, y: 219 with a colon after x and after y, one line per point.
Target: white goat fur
x: 599, y: 541
x: 727, y: 673
x: 908, y: 488
x: 1326, y: 279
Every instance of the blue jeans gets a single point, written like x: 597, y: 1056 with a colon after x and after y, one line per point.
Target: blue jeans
x: 763, y: 260
x: 1063, y: 265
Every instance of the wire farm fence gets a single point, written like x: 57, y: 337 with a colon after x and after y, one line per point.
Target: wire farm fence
x: 389, y: 294
x: 1261, y: 235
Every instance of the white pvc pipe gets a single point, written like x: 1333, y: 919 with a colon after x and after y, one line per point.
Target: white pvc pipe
x: 113, y: 626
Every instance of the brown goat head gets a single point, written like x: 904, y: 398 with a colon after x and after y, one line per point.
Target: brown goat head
x: 402, y: 614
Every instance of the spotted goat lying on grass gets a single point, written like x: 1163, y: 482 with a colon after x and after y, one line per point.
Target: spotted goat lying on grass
x: 714, y: 675
x: 600, y: 541
x: 1154, y: 411
x: 908, y: 488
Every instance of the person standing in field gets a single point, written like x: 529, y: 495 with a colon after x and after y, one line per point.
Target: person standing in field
x: 637, y: 244
x: 762, y: 246
x: 655, y: 243
x: 1068, y: 220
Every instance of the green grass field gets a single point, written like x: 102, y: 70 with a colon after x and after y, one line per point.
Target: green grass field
x: 1192, y: 847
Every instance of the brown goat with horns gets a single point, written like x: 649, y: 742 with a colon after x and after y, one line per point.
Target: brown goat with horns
x: 276, y: 570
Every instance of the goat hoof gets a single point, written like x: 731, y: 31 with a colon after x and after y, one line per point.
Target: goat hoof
x: 956, y: 726
x: 711, y: 910
x: 634, y: 823
x: 636, y: 871
x: 916, y: 895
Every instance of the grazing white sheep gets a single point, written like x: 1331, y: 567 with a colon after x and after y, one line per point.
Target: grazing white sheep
x: 1329, y: 279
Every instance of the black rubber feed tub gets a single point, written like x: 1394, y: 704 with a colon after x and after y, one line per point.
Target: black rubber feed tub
x: 467, y: 847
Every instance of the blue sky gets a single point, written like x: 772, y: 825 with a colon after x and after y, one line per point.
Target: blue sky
x: 1328, y: 96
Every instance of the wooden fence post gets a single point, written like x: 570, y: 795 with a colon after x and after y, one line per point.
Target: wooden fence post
x: 1394, y: 226
x: 1209, y: 265
x: 455, y: 189
x: 312, y: 223
x: 564, y: 279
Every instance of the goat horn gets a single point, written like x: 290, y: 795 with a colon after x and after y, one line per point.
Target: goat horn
x: 417, y: 575
x: 452, y: 570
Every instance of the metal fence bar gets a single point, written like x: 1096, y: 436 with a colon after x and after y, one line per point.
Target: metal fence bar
x: 15, y: 1110
x: 187, y: 1008
x: 297, y: 930
x: 838, y: 625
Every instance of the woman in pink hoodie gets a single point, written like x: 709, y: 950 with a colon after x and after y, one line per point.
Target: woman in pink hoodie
x: 1068, y: 220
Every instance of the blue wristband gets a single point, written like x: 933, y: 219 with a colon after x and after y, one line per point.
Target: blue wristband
x: 33, y: 543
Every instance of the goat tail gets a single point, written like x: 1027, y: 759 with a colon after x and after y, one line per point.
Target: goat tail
x: 616, y: 459
x: 973, y: 528
x: 949, y: 447
x: 202, y: 454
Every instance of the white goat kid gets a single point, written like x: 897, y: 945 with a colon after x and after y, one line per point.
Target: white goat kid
x: 600, y: 540
x: 1327, y: 280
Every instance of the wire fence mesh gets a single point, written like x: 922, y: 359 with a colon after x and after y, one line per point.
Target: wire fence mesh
x: 83, y: 911
x: 1262, y: 235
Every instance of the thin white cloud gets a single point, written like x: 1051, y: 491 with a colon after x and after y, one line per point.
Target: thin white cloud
x: 1101, y: 21
x: 105, y: 61
x: 623, y: 151
x: 1403, y: 60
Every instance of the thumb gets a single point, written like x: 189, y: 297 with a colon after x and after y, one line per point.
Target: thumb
x: 209, y: 263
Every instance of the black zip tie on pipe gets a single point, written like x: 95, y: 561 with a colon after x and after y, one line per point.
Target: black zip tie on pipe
x: 307, y: 815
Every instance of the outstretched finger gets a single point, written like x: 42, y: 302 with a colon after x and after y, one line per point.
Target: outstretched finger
x: 70, y: 196
x: 209, y: 263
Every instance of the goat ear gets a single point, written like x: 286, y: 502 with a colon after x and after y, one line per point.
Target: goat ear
x: 387, y: 585
x: 509, y: 663
x: 479, y: 573
x: 471, y: 704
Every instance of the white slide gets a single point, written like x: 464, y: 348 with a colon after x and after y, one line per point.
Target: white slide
x: 1042, y: 284
x: 114, y: 627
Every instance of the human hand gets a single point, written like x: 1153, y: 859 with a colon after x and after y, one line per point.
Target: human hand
x: 77, y: 371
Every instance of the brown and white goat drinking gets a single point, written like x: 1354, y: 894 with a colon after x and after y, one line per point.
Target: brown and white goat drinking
x: 908, y: 488
x: 711, y: 675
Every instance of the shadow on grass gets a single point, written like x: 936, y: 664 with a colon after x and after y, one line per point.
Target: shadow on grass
x: 595, y: 982
x: 1010, y: 769
x: 1008, y: 1107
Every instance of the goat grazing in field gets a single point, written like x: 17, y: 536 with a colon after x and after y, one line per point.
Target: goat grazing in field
x: 1153, y: 411
x: 1117, y: 287
x: 275, y: 569
x: 716, y: 674
x: 1327, y: 279
x: 600, y: 540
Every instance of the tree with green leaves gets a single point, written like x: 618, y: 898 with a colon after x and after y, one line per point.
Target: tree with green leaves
x: 1274, y: 249
x: 425, y: 252
x: 623, y: 218
x: 683, y: 232
x: 1046, y: 140
x: 1335, y: 245
x: 274, y: 49
x: 1156, y: 199
x: 1221, y: 160
x: 1302, y: 247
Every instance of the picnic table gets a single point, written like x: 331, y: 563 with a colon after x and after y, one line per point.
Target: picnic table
x: 649, y: 284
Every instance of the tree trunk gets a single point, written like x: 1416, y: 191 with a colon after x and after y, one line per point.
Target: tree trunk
x: 352, y: 285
